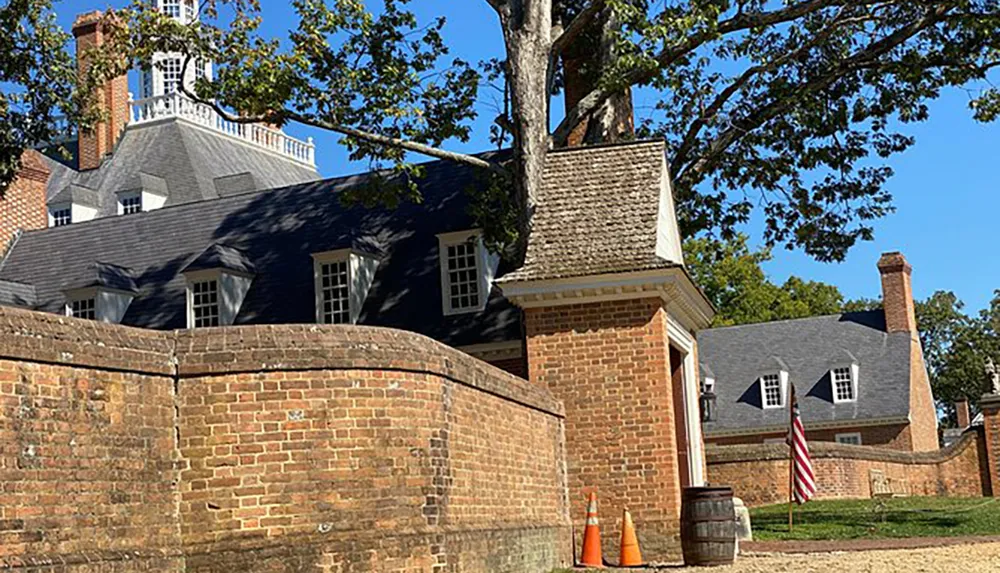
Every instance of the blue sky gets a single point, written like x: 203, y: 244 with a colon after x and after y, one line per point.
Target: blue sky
x: 946, y: 187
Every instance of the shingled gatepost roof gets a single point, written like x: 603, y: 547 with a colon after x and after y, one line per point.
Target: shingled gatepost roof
x: 601, y: 210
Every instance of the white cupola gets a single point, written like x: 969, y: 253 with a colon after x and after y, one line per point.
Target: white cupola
x: 165, y: 75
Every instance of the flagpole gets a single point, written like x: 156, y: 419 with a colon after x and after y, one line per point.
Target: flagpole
x: 791, y: 454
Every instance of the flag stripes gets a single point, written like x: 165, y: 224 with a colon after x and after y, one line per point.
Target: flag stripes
x: 805, y: 479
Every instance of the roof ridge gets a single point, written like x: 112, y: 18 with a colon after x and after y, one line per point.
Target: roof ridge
x: 784, y: 320
x: 631, y: 143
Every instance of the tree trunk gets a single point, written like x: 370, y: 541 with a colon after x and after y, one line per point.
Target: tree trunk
x: 583, y: 64
x: 527, y: 30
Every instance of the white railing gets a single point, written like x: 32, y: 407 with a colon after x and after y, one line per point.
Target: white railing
x: 177, y: 105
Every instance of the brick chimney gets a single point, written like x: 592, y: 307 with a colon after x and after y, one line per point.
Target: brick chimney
x: 112, y: 97
x: 962, y: 413
x: 22, y: 205
x: 897, y: 293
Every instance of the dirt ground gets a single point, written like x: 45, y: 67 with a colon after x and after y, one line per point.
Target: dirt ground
x: 976, y: 558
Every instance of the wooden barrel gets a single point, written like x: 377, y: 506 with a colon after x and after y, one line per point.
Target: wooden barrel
x: 708, y: 526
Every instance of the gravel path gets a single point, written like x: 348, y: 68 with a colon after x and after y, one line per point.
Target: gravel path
x: 978, y: 558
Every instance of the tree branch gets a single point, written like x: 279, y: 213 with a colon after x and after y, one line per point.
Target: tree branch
x: 670, y: 54
x: 378, y: 139
x: 755, y: 118
x: 578, y: 25
x: 690, y: 137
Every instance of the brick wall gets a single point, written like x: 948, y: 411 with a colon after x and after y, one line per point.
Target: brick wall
x: 608, y: 362
x: 990, y: 406
x: 890, y: 436
x: 270, y: 449
x: 759, y: 473
x: 22, y: 205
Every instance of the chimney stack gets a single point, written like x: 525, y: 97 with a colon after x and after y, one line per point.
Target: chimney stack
x: 897, y: 293
x: 962, y: 412
x: 112, y: 97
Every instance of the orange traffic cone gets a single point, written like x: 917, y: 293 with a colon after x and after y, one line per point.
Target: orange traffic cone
x: 591, y: 556
x: 630, y: 555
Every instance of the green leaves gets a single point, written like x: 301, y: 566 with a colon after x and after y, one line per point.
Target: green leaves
x: 40, y: 98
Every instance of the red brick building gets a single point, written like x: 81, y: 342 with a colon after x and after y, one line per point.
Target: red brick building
x: 860, y: 377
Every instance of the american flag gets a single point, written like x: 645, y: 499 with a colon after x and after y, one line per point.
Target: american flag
x: 805, y: 479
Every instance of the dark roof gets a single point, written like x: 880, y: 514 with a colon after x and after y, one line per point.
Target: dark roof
x: 278, y: 230
x: 222, y: 257
x: 98, y: 274
x: 808, y: 348
x: 178, y: 160
x: 599, y: 211
x: 75, y: 193
x: 17, y: 294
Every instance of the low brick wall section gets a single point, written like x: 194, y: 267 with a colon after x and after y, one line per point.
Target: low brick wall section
x: 759, y: 473
x: 281, y: 448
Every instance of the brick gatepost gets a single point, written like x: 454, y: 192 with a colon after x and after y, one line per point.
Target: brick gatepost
x: 608, y: 362
x: 990, y: 404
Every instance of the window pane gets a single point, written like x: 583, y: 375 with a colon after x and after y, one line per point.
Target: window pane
x: 84, y: 308
x: 205, y: 303
x: 131, y: 204
x: 772, y: 390
x: 62, y: 217
x: 843, y: 386
x: 336, y: 292
x: 171, y: 75
x: 463, y: 272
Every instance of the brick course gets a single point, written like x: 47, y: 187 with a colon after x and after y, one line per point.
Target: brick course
x: 22, y: 205
x: 273, y: 448
x: 890, y: 436
x: 609, y: 364
x: 759, y: 473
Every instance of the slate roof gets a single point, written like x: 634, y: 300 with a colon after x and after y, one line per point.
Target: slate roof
x: 597, y: 213
x: 809, y: 348
x: 224, y: 257
x: 277, y: 231
x: 179, y: 160
x: 100, y: 274
x: 17, y: 294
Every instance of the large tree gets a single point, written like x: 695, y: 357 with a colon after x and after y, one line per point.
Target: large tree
x: 39, y: 82
x: 787, y: 109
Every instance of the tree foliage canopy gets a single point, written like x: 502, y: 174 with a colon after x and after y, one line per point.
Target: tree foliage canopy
x: 783, y: 110
x: 39, y: 82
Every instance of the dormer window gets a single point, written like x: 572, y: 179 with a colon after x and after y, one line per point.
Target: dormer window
x: 774, y: 389
x: 84, y: 308
x: 467, y: 271
x: 60, y: 216
x: 342, y: 280
x: 129, y: 203
x: 217, y: 283
x: 844, y: 380
x: 204, y: 303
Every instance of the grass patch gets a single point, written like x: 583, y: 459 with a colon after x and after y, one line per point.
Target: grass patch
x: 891, y: 518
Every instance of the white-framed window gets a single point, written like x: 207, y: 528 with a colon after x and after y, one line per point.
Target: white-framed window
x: 85, y: 308
x: 773, y: 389
x: 467, y: 270
x: 844, y: 383
x: 190, y: 10
x: 171, y: 75
x: 200, y: 69
x: 849, y: 438
x: 204, y: 303
x: 172, y: 8
x: 342, y: 279
x: 335, y: 292
x: 129, y: 203
x: 61, y: 216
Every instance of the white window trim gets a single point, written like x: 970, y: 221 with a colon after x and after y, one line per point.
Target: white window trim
x: 486, y: 264
x: 320, y: 259
x: 855, y: 371
x: 82, y: 294
x: 199, y: 277
x: 849, y: 435
x: 709, y: 385
x: 782, y: 386
x: 53, y: 209
x: 124, y: 195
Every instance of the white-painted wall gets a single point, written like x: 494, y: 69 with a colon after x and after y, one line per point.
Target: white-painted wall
x: 112, y: 305
x: 668, y: 236
x: 232, y: 290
